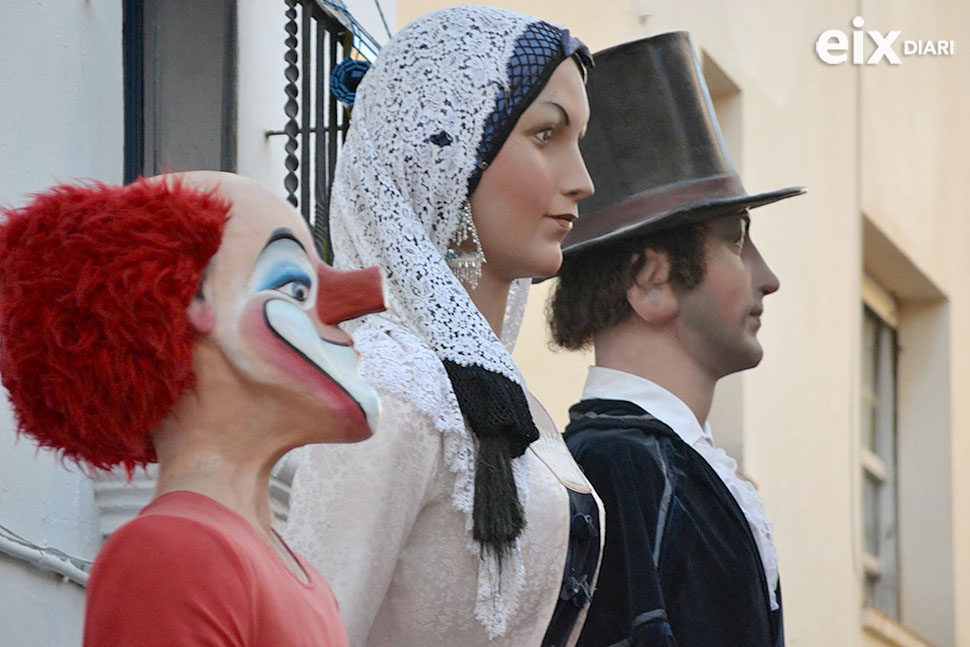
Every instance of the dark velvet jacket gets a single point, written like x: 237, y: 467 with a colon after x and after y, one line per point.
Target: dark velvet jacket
x: 680, y: 566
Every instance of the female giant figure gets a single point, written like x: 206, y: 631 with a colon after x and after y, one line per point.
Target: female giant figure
x: 465, y: 521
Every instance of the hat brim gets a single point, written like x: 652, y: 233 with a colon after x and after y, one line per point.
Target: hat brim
x: 683, y: 215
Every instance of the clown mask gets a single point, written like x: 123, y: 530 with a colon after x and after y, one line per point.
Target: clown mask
x: 270, y: 306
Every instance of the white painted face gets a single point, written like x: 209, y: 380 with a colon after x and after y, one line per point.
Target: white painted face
x: 275, y: 307
x: 287, y: 285
x: 527, y: 199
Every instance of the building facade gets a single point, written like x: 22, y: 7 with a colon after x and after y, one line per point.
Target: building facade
x: 855, y: 427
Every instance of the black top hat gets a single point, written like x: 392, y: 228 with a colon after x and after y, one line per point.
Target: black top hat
x: 653, y: 147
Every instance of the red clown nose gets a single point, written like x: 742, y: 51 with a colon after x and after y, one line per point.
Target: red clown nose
x: 343, y: 295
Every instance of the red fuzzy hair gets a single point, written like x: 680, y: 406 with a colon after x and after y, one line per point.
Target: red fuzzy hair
x: 95, y: 342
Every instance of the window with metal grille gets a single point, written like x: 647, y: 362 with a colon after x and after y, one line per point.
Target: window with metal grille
x: 319, y: 35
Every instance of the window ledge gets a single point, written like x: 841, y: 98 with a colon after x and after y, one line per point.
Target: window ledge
x: 889, y: 631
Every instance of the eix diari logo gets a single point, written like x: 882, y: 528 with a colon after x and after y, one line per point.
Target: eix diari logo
x: 833, y: 48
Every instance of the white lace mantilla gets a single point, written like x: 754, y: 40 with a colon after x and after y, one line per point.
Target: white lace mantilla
x: 399, y: 184
x: 402, y: 175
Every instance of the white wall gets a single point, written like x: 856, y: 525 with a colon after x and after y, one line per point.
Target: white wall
x: 260, y: 92
x: 61, y: 118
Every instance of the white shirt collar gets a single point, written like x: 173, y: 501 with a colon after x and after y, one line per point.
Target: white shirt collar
x: 611, y: 384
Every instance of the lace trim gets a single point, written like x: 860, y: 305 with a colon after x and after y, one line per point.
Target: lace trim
x: 751, y: 505
x: 515, y: 312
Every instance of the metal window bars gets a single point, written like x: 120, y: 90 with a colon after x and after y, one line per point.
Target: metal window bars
x: 316, y: 123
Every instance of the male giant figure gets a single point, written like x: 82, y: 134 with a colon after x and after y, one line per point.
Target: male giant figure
x: 662, y: 277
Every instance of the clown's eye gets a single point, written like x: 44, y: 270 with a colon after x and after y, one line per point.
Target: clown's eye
x: 295, y: 289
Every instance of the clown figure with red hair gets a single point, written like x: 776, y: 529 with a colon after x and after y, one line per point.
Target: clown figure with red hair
x: 186, y: 320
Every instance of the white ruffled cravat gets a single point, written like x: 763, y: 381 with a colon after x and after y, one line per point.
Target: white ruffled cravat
x: 751, y: 505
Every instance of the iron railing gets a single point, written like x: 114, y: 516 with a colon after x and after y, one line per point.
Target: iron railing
x: 316, y: 122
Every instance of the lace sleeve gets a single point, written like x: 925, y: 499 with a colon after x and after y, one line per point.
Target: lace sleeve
x: 350, y: 518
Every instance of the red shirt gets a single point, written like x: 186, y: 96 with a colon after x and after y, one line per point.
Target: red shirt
x: 190, y: 572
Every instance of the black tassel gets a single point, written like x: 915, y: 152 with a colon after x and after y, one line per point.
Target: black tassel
x: 498, y: 518
x: 498, y: 415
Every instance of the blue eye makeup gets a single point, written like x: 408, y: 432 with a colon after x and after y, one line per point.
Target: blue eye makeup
x: 283, y: 267
x: 280, y: 274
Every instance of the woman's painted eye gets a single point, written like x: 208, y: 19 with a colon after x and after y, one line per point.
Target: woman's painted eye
x: 544, y: 135
x: 296, y: 289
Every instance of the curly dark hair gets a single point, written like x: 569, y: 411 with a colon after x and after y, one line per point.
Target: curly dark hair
x: 590, y: 296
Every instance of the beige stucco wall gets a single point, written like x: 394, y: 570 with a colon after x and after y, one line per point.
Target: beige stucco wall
x: 887, y: 141
x: 913, y: 176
